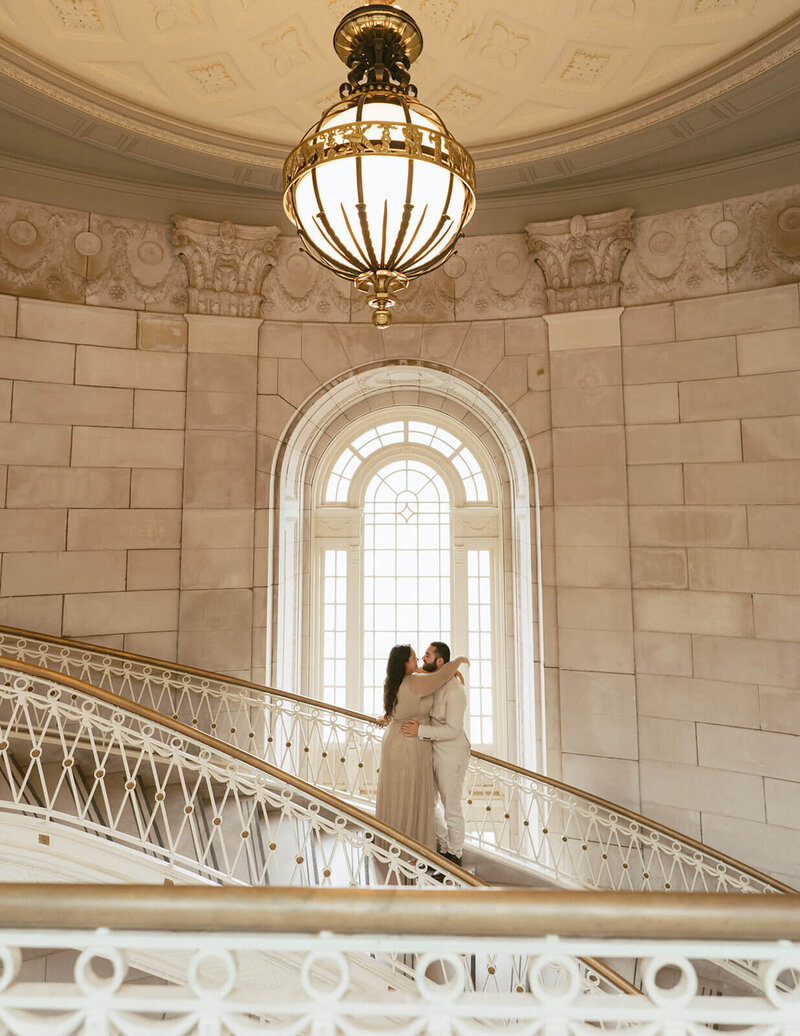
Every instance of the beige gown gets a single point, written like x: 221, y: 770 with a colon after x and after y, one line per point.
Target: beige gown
x: 406, y: 789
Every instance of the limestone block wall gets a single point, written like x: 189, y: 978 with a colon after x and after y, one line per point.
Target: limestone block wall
x: 676, y: 493
x: 712, y: 398
x: 92, y: 402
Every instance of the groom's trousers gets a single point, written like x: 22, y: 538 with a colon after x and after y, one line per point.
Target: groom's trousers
x: 449, y: 770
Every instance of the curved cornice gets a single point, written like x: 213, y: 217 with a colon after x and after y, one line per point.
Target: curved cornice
x: 63, y: 89
x: 502, y: 210
x: 700, y: 89
x: 40, y: 79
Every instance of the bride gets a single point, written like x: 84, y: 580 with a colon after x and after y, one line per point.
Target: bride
x: 406, y: 790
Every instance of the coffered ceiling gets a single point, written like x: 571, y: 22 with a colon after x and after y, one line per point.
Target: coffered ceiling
x: 139, y: 97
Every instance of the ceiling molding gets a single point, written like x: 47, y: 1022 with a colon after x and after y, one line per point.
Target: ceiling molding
x: 59, y: 87
x: 649, y: 194
x: 40, y: 79
x: 505, y: 211
x: 726, y: 132
x: 701, y: 89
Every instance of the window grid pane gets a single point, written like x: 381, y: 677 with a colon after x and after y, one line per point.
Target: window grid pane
x: 334, y: 627
x: 406, y: 567
x: 394, y: 432
x: 479, y: 630
x: 431, y: 435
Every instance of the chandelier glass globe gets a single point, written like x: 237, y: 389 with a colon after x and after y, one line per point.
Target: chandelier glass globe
x: 378, y: 189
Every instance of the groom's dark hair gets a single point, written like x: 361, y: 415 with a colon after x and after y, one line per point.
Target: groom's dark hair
x: 442, y: 650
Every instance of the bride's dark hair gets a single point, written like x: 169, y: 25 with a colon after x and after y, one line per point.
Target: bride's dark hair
x: 395, y: 672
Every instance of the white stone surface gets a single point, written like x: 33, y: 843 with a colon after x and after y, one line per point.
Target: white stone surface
x: 80, y: 325
x: 223, y: 335
x: 588, y: 330
x: 689, y: 698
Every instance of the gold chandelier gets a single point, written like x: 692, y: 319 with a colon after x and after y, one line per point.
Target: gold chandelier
x: 378, y: 189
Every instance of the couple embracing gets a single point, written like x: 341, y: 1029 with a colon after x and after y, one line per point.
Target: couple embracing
x: 425, y: 749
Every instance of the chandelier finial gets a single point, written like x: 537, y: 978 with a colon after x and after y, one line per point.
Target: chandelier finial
x: 378, y: 44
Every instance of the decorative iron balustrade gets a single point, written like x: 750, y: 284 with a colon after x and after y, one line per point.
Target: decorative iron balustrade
x: 549, y: 829
x: 213, y: 936
x: 96, y: 763
x: 87, y: 759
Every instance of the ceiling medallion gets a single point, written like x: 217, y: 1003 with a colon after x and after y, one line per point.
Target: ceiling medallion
x: 378, y: 188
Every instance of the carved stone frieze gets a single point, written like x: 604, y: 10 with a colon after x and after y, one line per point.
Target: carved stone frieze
x: 581, y: 259
x: 494, y: 277
x: 677, y: 255
x: 38, y: 256
x: 299, y: 287
x: 738, y: 245
x: 132, y: 264
x: 764, y: 245
x: 227, y: 263
x: 732, y: 246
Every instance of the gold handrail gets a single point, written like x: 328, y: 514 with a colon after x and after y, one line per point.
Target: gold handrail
x: 623, y: 811
x: 440, y: 862
x: 397, y: 911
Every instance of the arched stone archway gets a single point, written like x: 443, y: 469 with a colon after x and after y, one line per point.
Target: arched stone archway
x: 375, y: 388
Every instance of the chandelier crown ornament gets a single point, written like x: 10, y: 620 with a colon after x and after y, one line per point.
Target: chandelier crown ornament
x: 378, y: 189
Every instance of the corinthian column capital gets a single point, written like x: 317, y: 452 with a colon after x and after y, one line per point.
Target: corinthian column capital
x: 581, y: 259
x: 227, y: 264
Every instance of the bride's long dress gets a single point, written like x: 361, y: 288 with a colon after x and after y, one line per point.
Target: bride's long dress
x: 406, y: 790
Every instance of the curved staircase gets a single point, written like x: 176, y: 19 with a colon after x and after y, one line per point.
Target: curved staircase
x: 80, y: 764
x: 195, y: 779
x: 522, y: 827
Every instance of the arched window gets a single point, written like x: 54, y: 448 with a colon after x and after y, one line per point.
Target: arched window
x: 407, y: 546
x: 406, y: 566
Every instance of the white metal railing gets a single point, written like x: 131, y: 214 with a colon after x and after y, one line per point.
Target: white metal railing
x: 566, y: 836
x: 96, y: 763
x: 212, y: 936
x: 86, y: 759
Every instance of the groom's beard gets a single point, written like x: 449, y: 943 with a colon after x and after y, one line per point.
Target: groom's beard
x: 429, y: 667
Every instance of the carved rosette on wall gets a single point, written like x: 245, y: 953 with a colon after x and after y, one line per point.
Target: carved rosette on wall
x: 582, y: 258
x: 131, y: 264
x: 227, y: 264
x: 495, y: 278
x: 39, y: 256
x: 298, y: 287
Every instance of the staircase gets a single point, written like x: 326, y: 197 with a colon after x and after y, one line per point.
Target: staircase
x: 522, y: 828
x: 194, y: 779
x: 80, y: 764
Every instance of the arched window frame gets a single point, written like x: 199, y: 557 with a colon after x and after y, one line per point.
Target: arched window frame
x: 288, y: 606
x: 475, y: 526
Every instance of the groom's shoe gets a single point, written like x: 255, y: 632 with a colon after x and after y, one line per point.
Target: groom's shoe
x: 452, y: 858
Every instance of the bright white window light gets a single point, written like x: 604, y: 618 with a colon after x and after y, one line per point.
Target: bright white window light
x: 406, y: 566
x: 423, y: 433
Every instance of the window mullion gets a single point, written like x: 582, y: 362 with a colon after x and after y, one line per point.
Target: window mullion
x: 459, y: 599
x: 355, y: 627
x: 333, y: 595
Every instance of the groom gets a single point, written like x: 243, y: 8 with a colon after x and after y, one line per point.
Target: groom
x: 450, y: 751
